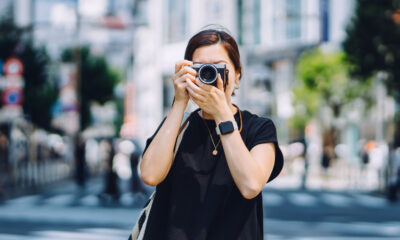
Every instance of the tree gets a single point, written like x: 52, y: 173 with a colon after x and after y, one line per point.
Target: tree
x: 372, y: 45
x: 323, y: 89
x: 39, y: 92
x: 97, y: 80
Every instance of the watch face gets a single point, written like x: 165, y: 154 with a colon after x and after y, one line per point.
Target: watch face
x: 226, y: 127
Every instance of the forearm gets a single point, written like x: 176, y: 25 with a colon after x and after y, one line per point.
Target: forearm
x: 246, y: 172
x: 157, y: 159
x: 249, y: 169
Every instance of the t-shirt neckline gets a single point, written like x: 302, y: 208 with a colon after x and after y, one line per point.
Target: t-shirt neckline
x: 236, y: 115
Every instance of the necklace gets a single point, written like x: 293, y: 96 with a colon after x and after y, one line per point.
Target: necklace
x: 215, y: 151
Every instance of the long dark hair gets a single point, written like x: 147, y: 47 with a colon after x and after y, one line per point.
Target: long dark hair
x: 210, y: 37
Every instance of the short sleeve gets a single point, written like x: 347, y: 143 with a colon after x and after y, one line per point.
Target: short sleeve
x: 263, y: 131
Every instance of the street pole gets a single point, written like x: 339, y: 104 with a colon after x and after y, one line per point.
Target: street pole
x: 78, y: 139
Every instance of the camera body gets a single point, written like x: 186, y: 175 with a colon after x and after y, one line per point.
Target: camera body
x: 207, y: 73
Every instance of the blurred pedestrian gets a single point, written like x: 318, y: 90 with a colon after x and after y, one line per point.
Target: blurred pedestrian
x: 111, y: 189
x: 3, y: 161
x: 327, y: 156
x: 394, y: 179
x: 137, y: 185
x: 212, y: 188
x: 80, y: 163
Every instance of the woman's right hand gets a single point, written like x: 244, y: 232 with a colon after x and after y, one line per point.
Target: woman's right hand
x: 182, y: 72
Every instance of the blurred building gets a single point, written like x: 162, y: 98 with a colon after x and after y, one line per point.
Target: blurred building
x: 106, y: 26
x: 146, y: 37
x: 271, y: 34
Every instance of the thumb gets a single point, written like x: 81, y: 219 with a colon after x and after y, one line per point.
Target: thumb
x: 220, y: 84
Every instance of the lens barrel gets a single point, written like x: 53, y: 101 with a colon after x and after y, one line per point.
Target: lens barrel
x: 208, y: 73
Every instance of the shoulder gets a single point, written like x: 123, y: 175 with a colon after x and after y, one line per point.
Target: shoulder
x: 257, y: 129
x: 252, y: 120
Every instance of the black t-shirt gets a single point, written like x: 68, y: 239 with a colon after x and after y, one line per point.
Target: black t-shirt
x: 198, y: 200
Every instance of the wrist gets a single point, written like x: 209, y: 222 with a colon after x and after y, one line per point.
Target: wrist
x: 179, y: 104
x: 224, y: 116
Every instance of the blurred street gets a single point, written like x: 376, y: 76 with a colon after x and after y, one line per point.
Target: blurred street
x: 84, y: 84
x: 64, y: 212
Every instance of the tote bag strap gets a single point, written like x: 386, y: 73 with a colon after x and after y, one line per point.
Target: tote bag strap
x: 140, y: 227
x: 182, y: 129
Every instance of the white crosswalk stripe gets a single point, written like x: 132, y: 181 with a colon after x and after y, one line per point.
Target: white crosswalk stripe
x: 302, y: 199
x: 336, y: 200
x: 272, y: 199
x: 81, y: 234
x: 371, y: 201
x: 60, y: 200
x: 90, y: 200
x: 26, y: 200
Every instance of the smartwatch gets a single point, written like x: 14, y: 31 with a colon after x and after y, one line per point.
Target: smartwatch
x: 226, y: 127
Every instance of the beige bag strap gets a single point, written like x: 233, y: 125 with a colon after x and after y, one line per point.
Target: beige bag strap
x: 138, y: 234
x: 182, y: 129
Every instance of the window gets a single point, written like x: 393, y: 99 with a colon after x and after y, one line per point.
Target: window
x: 240, y: 22
x: 293, y: 19
x: 257, y: 22
x: 177, y: 20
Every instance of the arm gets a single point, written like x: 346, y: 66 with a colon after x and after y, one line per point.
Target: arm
x: 250, y: 170
x: 158, y: 157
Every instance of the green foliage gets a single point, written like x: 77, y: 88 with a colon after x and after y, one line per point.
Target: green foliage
x: 306, y: 103
x: 323, y: 80
x: 97, y: 80
x: 372, y: 42
x: 372, y: 45
x: 39, y: 92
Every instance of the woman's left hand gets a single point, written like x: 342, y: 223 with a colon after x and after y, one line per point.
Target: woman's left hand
x: 210, y: 99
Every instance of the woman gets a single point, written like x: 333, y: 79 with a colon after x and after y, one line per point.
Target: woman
x: 212, y: 188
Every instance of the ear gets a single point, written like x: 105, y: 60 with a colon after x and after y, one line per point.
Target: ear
x: 237, y: 78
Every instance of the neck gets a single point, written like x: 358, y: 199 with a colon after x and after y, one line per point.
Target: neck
x: 210, y: 117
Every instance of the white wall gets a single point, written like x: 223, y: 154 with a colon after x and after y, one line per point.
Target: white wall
x: 341, y: 12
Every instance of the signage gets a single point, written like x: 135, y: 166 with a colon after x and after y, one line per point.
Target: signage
x: 12, y: 96
x: 13, y: 66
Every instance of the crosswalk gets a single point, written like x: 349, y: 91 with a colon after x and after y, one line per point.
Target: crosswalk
x: 270, y: 198
x: 330, y: 199
x: 87, y: 216
x: 81, y: 234
x: 73, y: 199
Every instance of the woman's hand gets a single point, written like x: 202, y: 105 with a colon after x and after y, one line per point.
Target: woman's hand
x: 183, y: 73
x: 210, y: 99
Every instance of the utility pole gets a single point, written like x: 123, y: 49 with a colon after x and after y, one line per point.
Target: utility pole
x: 80, y: 163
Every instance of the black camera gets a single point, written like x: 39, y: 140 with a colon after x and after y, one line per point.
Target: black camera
x: 207, y: 73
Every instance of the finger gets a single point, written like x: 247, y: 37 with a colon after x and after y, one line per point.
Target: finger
x: 194, y: 95
x: 220, y: 84
x: 186, y: 70
x: 182, y: 63
x: 202, y: 85
x: 195, y: 88
x: 185, y: 77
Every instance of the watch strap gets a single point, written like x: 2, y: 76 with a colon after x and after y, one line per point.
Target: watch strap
x: 234, y: 124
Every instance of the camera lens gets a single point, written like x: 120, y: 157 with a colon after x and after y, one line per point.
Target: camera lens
x: 208, y: 74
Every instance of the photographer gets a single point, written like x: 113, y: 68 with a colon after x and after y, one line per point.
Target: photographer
x: 212, y: 188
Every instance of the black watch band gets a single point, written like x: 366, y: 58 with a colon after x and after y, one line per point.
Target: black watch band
x: 226, y: 127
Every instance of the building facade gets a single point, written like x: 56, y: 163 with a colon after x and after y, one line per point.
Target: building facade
x: 271, y: 33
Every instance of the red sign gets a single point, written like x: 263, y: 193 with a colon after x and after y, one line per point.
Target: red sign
x: 13, y: 66
x: 12, y: 96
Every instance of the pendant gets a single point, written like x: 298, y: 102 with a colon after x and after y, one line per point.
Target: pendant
x: 215, y: 152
